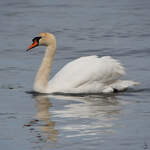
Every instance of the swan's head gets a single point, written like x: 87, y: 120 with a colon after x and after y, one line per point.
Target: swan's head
x: 43, y: 39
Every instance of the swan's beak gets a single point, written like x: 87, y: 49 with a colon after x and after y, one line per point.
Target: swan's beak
x: 34, y: 44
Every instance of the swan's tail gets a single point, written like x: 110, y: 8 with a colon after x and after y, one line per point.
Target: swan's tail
x: 122, y: 85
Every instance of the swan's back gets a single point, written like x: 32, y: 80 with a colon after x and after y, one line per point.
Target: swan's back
x: 87, y: 73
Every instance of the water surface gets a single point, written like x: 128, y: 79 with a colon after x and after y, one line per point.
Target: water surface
x: 116, y: 28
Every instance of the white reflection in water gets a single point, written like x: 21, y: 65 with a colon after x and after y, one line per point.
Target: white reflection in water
x: 89, y: 107
x: 81, y: 116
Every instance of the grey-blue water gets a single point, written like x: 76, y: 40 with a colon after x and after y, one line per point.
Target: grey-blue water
x: 119, y: 28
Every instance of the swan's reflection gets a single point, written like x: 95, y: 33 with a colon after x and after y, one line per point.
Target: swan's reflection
x: 88, y: 115
x: 43, y: 104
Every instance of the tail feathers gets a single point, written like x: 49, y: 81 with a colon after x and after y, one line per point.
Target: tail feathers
x: 121, y: 85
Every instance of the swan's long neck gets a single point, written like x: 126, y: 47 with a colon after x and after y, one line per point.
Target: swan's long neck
x: 42, y: 76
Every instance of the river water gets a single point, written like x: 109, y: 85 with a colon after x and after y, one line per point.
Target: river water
x: 83, y: 27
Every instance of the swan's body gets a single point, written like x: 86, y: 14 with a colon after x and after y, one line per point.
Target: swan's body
x: 89, y: 74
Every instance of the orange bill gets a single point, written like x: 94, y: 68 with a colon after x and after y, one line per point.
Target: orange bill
x: 33, y: 45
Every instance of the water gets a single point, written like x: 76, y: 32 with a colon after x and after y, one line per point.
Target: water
x: 116, y: 28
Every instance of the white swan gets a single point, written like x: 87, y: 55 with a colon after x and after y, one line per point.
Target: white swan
x: 89, y: 74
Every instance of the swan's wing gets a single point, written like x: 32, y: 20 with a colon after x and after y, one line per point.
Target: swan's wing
x: 86, y: 70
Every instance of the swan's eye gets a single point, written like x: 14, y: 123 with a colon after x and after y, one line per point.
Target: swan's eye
x: 36, y: 39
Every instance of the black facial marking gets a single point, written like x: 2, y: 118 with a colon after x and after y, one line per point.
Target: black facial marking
x: 36, y: 39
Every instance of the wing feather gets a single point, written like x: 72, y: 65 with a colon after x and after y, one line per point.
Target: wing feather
x: 86, y: 70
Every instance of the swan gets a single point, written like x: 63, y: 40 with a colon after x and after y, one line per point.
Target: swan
x: 89, y: 74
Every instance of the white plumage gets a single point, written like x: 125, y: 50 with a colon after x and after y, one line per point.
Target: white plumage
x: 89, y: 74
